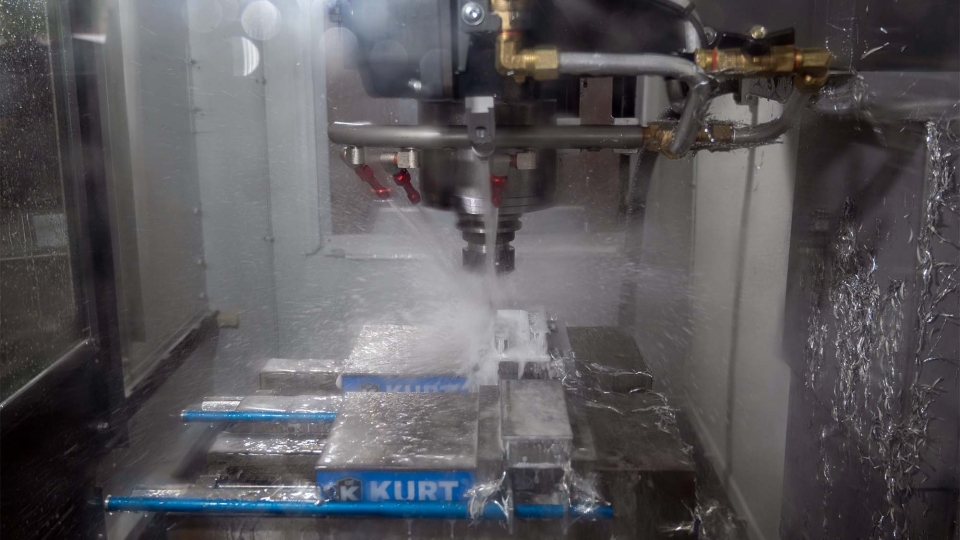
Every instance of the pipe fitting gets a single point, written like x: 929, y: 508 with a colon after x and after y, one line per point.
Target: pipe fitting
x: 513, y: 60
x: 659, y: 137
x: 810, y: 65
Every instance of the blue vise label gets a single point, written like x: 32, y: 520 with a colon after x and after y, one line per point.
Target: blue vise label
x: 400, y: 486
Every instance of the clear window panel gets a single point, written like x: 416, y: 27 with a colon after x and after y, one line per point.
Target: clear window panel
x: 42, y: 317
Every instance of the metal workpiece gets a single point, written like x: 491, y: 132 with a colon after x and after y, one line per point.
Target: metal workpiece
x: 606, y: 359
x: 221, y: 403
x: 292, y: 377
x: 489, y: 442
x: 522, y: 335
x: 401, y: 350
x: 402, y: 447
x: 558, y: 339
x: 640, y: 461
x: 305, y: 404
x: 508, y: 137
x: 584, y: 450
x: 534, y: 424
x: 211, y: 487
x: 634, y: 431
x: 264, y: 457
x: 403, y: 432
x: 523, y: 340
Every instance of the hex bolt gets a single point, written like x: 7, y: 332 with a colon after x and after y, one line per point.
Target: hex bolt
x: 710, y: 34
x: 472, y: 13
x: 757, y: 32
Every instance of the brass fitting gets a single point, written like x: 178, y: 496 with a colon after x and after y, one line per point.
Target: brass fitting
x: 541, y: 63
x: 658, y: 137
x: 810, y: 65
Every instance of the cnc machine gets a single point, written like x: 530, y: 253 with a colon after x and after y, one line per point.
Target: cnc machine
x: 568, y: 439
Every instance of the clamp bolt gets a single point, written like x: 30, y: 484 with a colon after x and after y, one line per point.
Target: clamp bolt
x: 472, y: 13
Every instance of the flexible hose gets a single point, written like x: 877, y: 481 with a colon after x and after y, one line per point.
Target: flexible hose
x: 768, y: 131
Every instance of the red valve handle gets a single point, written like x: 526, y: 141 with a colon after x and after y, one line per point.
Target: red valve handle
x: 402, y: 179
x: 366, y: 174
x: 497, y: 183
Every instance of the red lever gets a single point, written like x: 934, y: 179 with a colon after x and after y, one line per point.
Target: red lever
x: 497, y: 183
x: 402, y: 178
x: 366, y: 174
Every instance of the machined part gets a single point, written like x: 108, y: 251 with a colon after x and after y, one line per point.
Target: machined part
x: 399, y: 431
x: 221, y: 403
x: 535, y: 428
x: 290, y: 377
x: 264, y: 457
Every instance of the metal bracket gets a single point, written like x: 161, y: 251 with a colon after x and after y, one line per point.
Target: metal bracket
x: 489, y: 23
x: 481, y: 125
x: 777, y: 89
x: 354, y: 155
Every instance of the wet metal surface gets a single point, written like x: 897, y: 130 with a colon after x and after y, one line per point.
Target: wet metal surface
x: 394, y: 431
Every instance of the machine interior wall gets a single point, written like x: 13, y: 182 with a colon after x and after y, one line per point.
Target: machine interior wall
x: 711, y: 289
x: 155, y: 188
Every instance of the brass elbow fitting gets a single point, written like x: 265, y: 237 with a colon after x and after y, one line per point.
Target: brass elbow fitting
x: 513, y: 60
x: 541, y: 63
x: 658, y: 137
x: 811, y: 66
